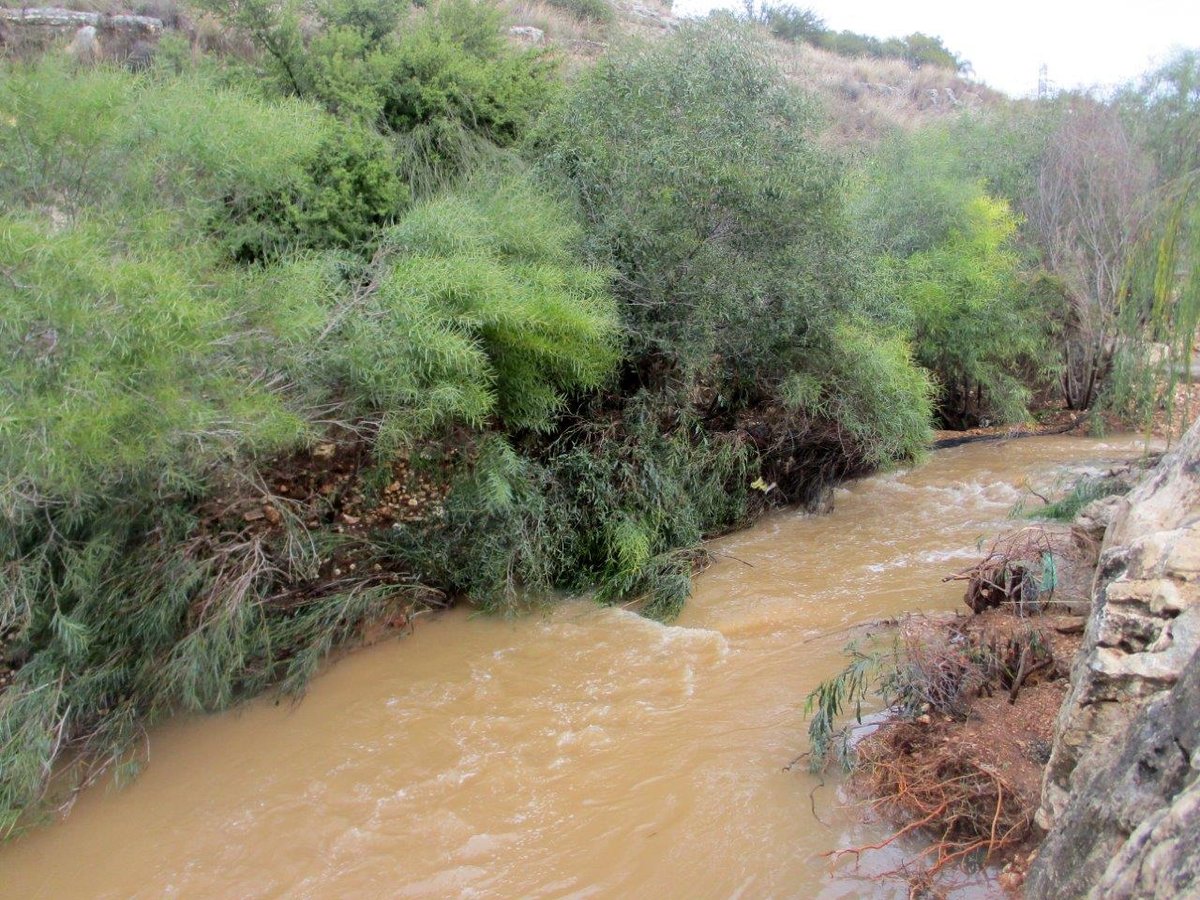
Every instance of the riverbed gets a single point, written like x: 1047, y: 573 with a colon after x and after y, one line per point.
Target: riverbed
x: 579, y: 752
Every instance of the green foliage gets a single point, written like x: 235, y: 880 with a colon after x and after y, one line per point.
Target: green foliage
x: 798, y: 24
x: 916, y: 192
x: 969, y: 321
x: 1160, y: 315
x: 881, y: 401
x: 111, y: 630
x: 701, y: 187
x: 107, y: 137
x: 1164, y: 108
x: 950, y: 269
x: 102, y: 139
x: 475, y: 309
x: 342, y: 198
x: 442, y: 84
x: 455, y: 66
x: 1085, y: 489
x: 120, y: 362
x: 829, y: 701
x: 616, y: 508
x: 916, y: 49
x: 588, y: 10
x: 789, y: 23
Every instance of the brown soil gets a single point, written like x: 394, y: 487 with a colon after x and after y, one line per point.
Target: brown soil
x: 335, y: 488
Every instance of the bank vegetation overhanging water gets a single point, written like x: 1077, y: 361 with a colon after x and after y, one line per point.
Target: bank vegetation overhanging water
x: 313, y: 321
x: 580, y: 744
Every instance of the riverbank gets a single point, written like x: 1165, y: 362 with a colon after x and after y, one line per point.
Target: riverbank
x: 1014, y: 732
x: 578, y: 747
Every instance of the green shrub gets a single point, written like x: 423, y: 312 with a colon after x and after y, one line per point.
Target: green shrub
x: 916, y: 49
x: 101, y: 139
x: 916, y: 192
x: 121, y: 362
x: 616, y: 508
x: 477, y: 312
x: 589, y: 10
x: 879, y: 398
x: 971, y: 321
x: 443, y: 83
x: 342, y: 198
x: 790, y: 23
x: 447, y: 87
x: 456, y: 66
x: 700, y: 184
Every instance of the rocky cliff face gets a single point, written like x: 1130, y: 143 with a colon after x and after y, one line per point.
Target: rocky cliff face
x: 1121, y: 797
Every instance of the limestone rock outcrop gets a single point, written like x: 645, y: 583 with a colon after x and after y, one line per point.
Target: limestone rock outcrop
x: 1120, y: 789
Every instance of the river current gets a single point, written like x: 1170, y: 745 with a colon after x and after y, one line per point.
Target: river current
x: 580, y: 752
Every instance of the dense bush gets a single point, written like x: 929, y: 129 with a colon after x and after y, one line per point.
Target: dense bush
x: 208, y: 157
x: 120, y: 363
x: 456, y: 65
x: 441, y: 82
x: 615, y: 506
x: 971, y: 321
x: 953, y: 275
x: 699, y: 183
x: 590, y: 10
x: 915, y: 191
x: 702, y: 185
x: 475, y: 312
x: 344, y: 194
x: 790, y: 23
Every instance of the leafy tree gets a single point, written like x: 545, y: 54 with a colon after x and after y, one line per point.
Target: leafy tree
x: 1159, y: 318
x: 971, y: 321
x: 915, y: 191
x: 700, y: 185
x: 787, y: 22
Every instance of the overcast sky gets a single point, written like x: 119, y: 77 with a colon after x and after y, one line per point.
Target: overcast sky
x: 1082, y: 43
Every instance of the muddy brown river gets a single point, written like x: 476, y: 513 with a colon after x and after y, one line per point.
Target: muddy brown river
x: 585, y: 752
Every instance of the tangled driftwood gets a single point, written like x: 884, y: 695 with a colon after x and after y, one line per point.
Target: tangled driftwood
x: 1019, y: 568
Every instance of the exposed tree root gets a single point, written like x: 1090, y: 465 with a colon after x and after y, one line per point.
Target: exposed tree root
x: 970, y: 811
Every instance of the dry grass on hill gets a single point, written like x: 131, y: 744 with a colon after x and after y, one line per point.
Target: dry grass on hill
x: 866, y: 98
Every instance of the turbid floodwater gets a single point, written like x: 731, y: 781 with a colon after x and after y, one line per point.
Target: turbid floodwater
x: 583, y: 752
